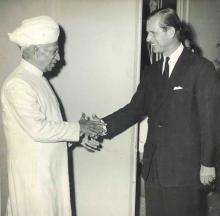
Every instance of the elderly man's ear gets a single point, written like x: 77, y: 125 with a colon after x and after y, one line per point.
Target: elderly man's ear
x: 28, y: 52
x: 35, y: 50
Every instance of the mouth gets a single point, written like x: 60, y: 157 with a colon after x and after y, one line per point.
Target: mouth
x: 52, y: 64
x: 154, y: 46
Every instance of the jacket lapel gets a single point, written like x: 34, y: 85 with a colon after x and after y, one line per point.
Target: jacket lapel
x: 181, y: 65
x: 178, y: 71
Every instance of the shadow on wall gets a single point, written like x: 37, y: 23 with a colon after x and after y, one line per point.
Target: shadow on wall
x: 189, y: 38
x: 217, y: 60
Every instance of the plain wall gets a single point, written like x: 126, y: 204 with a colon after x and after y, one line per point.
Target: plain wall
x: 102, y: 44
x: 204, y: 16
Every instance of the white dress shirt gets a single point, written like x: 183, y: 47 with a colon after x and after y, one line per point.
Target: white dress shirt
x: 173, y: 58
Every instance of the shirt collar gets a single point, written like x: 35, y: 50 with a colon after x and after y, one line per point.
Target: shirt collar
x: 31, y: 68
x: 176, y: 54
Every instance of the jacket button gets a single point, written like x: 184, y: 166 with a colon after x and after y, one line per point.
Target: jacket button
x: 159, y: 125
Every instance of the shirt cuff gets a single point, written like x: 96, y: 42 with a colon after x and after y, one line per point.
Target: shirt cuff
x: 75, y: 131
x: 104, y: 128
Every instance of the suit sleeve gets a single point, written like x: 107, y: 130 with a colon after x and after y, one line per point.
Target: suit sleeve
x: 207, y: 91
x: 130, y: 114
x: 23, y: 104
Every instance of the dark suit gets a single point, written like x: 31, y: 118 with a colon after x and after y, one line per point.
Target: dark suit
x: 181, y: 119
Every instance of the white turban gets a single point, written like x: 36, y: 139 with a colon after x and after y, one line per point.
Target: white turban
x: 34, y: 31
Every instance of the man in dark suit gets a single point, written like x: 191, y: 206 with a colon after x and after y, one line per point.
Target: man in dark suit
x: 177, y: 94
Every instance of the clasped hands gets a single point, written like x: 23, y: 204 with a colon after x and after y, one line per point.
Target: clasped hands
x: 90, y: 130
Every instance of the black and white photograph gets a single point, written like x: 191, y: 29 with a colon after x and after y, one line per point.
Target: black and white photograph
x: 110, y: 108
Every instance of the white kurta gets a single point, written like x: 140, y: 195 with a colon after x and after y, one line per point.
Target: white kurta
x: 36, y: 147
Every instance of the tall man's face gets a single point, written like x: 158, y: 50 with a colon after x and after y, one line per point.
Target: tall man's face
x: 157, y: 36
x: 48, y: 56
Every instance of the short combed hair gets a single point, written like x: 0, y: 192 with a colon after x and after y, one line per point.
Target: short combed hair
x: 168, y: 18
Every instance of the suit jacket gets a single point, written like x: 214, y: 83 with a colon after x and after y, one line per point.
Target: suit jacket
x: 180, y: 119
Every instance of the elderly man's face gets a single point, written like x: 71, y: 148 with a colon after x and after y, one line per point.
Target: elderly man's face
x: 48, y: 56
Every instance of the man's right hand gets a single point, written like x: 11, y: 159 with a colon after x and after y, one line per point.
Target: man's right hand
x: 90, y: 144
x: 96, y: 118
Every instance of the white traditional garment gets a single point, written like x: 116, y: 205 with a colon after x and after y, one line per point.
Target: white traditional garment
x: 36, y: 30
x: 36, y: 147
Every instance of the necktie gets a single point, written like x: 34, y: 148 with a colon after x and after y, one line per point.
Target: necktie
x: 166, y: 70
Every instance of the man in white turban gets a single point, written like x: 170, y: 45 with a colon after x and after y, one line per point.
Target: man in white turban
x: 35, y: 133
x: 34, y: 31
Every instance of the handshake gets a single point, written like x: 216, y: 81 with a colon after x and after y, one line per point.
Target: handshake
x: 90, y: 130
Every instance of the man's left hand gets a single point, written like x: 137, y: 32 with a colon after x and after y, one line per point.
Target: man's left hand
x: 90, y: 144
x: 207, y: 175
